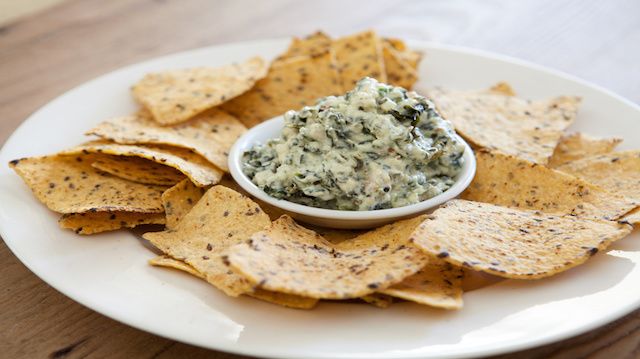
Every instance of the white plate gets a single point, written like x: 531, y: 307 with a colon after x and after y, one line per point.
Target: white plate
x: 108, y: 273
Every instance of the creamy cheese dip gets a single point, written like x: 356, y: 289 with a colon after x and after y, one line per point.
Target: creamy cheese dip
x: 376, y: 147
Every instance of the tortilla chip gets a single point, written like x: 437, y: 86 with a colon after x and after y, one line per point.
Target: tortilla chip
x: 315, y: 44
x: 190, y: 164
x: 289, y: 85
x: 438, y: 284
x: 138, y: 170
x: 632, y: 217
x: 210, y: 135
x: 358, y: 56
x: 178, y: 201
x: 618, y: 172
x: 502, y: 88
x: 577, y: 146
x: 508, y: 181
x: 69, y: 184
x: 378, y: 300
x: 168, y: 262
x: 513, y: 243
x: 285, y: 300
x: 411, y: 57
x: 291, y: 259
x: 96, y: 222
x: 222, y: 218
x: 526, y: 129
x: 178, y: 95
x: 399, y: 73
x: 272, y: 211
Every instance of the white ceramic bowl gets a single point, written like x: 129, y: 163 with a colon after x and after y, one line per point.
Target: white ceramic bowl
x: 330, y: 217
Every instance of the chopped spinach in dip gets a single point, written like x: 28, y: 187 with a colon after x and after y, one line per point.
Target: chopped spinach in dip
x: 376, y: 147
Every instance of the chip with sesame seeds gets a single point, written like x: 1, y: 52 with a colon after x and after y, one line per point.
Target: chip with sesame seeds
x: 398, y: 71
x: 493, y: 120
x: 157, y: 164
x: 312, y: 45
x: 210, y: 134
x: 290, y: 84
x: 438, y: 284
x: 222, y: 218
x: 178, y: 95
x: 289, y: 258
x: 178, y: 201
x: 69, y: 184
x: 358, y: 56
x: 617, y: 172
x: 513, y: 243
x: 579, y: 145
x: 138, y: 169
x: 98, y: 222
x: 285, y: 300
x: 513, y: 182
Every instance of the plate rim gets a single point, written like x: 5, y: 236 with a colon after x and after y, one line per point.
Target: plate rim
x: 236, y: 349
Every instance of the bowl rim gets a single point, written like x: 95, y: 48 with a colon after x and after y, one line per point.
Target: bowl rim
x: 248, y: 139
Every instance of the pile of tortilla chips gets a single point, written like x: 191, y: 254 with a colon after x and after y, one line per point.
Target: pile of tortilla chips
x: 542, y: 201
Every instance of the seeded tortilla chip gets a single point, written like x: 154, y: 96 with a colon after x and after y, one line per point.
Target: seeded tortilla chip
x: 222, y: 218
x: 178, y: 95
x: 96, y: 222
x: 577, y: 146
x: 632, y: 217
x: 512, y: 182
x: 289, y: 85
x: 502, y: 88
x: 438, y: 284
x: 512, y: 243
x: 618, y: 172
x: 399, y: 72
x: 190, y: 164
x: 378, y: 300
x: 291, y: 259
x: 409, y: 56
x: 168, y: 262
x: 315, y: 44
x: 526, y: 129
x: 286, y: 300
x: 210, y: 134
x: 179, y: 200
x: 69, y: 184
x: 358, y: 56
x: 138, y: 170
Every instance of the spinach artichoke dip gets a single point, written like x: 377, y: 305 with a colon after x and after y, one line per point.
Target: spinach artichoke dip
x: 376, y: 147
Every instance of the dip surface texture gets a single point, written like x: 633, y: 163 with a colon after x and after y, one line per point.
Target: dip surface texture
x: 376, y: 147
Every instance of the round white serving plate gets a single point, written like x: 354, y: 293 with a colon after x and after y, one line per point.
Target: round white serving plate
x: 333, y: 218
x: 109, y: 273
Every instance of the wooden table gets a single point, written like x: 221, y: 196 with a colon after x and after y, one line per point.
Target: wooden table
x: 43, y: 55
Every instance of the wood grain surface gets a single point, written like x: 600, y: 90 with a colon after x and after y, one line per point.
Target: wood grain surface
x: 48, y: 53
